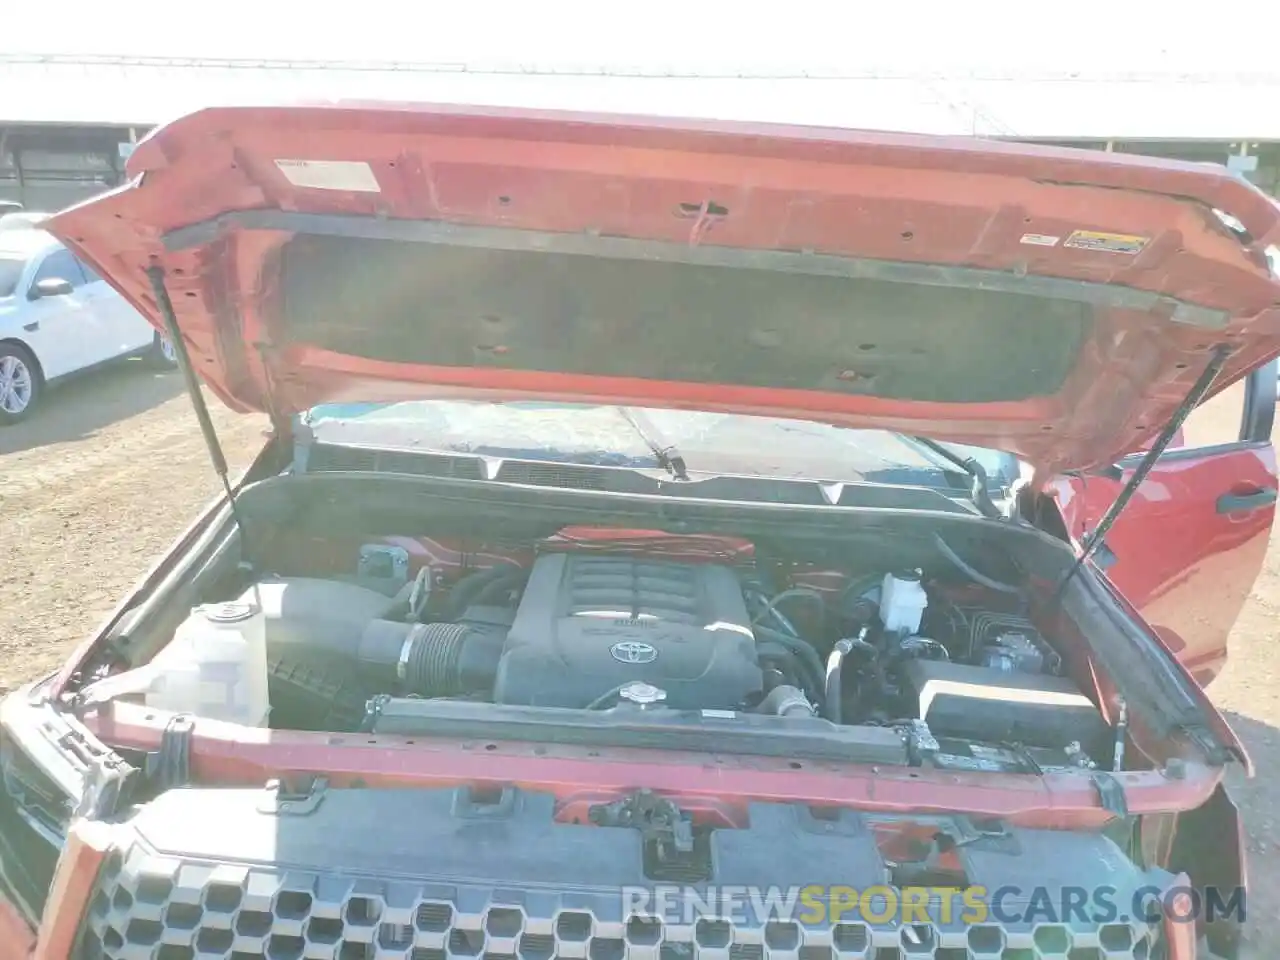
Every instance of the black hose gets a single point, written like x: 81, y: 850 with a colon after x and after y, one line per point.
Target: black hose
x: 462, y: 592
x: 496, y: 590
x: 807, y: 656
x: 430, y: 659
x: 774, y: 612
x: 606, y: 697
x: 831, y: 696
x: 968, y: 571
x: 785, y: 701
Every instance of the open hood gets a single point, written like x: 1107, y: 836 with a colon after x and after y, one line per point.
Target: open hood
x: 1053, y: 303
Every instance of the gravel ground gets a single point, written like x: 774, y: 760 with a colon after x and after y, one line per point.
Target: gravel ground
x: 98, y: 482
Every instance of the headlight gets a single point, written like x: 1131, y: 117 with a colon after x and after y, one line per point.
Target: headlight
x: 35, y: 793
x: 34, y: 809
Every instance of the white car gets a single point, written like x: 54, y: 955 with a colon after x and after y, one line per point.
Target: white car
x: 22, y: 219
x: 57, y: 318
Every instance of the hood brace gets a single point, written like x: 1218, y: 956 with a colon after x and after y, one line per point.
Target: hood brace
x: 155, y: 275
x: 1094, y: 539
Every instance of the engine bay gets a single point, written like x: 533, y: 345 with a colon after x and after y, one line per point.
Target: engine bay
x: 699, y: 637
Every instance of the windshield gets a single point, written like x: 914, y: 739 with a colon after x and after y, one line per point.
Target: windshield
x: 709, y: 443
x: 10, y: 274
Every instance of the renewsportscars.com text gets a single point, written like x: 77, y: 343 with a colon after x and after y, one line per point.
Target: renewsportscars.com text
x: 820, y: 905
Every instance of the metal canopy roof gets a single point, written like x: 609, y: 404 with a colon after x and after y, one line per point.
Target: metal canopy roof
x: 1142, y: 106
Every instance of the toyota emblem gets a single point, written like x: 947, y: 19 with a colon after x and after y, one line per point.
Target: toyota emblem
x: 633, y: 651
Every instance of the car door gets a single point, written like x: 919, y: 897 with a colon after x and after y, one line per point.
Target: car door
x: 1189, y: 546
x: 124, y: 329
x: 59, y: 327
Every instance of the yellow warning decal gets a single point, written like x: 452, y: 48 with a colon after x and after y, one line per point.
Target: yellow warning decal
x: 1106, y: 242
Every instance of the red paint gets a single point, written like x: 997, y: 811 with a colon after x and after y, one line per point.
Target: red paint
x: 450, y: 558
x: 88, y: 842
x: 229, y: 754
x: 1185, y: 567
x: 907, y: 841
x: 1180, y: 935
x: 847, y: 193
x: 17, y: 940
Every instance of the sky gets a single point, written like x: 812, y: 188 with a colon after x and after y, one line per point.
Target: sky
x: 694, y: 36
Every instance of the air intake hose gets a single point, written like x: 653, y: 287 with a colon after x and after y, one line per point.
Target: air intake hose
x: 431, y: 659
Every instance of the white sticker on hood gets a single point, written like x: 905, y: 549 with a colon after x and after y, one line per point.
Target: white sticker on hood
x: 1039, y: 240
x: 352, y: 175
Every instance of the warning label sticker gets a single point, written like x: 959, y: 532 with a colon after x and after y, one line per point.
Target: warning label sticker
x: 1039, y: 240
x: 352, y: 175
x: 1105, y: 242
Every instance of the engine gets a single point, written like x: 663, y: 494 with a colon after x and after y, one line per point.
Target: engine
x: 589, y: 624
x: 573, y: 630
x: 694, y: 632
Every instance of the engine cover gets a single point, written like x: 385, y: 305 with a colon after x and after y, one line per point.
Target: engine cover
x: 588, y: 623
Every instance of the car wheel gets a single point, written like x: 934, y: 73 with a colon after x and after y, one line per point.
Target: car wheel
x: 19, y: 383
x: 162, y: 354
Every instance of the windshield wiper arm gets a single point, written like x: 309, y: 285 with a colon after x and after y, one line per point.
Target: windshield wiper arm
x: 668, y: 457
x: 978, y: 475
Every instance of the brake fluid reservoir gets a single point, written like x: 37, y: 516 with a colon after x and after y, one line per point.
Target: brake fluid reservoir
x: 902, y: 602
x: 216, y: 666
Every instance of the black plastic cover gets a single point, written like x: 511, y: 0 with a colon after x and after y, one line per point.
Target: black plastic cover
x: 589, y: 623
x: 710, y: 731
x: 308, y: 694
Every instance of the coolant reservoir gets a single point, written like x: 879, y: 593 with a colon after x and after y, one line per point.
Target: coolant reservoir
x: 216, y: 666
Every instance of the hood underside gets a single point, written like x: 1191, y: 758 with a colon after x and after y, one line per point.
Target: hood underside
x: 1056, y: 304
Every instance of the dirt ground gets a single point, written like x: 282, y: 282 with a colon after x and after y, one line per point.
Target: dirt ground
x: 113, y: 467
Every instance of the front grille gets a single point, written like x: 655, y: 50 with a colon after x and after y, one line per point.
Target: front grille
x: 149, y: 907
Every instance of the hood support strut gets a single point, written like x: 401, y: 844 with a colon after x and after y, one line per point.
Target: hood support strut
x: 1093, y: 541
x: 155, y: 275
